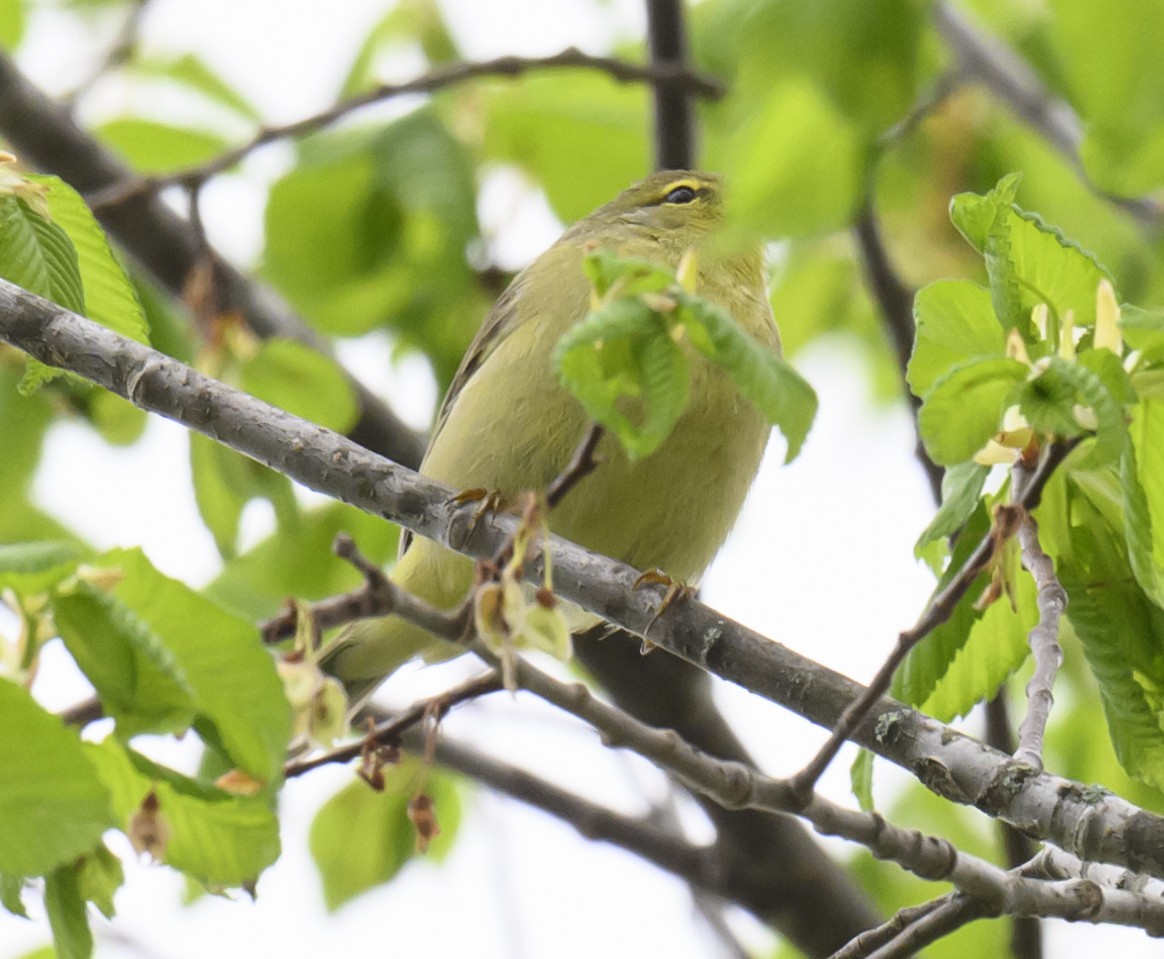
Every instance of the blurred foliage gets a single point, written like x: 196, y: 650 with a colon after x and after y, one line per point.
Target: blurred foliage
x: 831, y: 109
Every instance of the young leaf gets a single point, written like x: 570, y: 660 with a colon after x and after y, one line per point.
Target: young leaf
x: 53, y: 806
x: 1142, y: 478
x: 627, y: 373
x: 66, y: 914
x: 155, y: 147
x: 964, y: 408
x: 764, y: 379
x: 135, y: 676
x: 215, y: 837
x: 861, y: 779
x: 110, y: 299
x: 302, y: 381
x: 361, y: 838
x: 36, y: 253
x: 1049, y: 401
x: 29, y: 568
x: 961, y: 488
x: 955, y: 323
x: 231, y: 676
x: 11, y: 894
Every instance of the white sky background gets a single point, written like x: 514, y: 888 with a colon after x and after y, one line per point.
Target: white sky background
x: 821, y: 561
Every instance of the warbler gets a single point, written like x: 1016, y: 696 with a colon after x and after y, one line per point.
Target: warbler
x: 506, y: 424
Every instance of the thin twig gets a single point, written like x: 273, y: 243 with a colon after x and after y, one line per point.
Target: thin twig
x: 861, y: 946
x: 1026, y: 934
x: 950, y: 916
x: 674, y: 127
x: 1012, y: 80
x: 1044, y: 641
x: 896, y: 302
x: 390, y: 731
x: 664, y: 74
x: 581, y: 464
x: 122, y: 50
x: 940, y: 608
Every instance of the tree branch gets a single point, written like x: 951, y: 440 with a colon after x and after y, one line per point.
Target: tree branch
x: 674, y: 129
x: 167, y: 246
x: 1089, y: 822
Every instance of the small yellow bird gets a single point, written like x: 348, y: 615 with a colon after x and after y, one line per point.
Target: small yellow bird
x: 507, y: 424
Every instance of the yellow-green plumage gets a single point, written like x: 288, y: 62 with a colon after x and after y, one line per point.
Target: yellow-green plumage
x: 507, y: 424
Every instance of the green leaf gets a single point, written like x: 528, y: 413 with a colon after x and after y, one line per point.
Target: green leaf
x: 225, y: 481
x: 1142, y: 478
x: 861, y: 779
x: 38, y: 255
x: 135, y: 676
x: 11, y: 893
x: 627, y: 372
x: 794, y: 137
x: 606, y: 268
x: 194, y: 73
x: 578, y: 133
x: 1028, y: 261
x: 408, y: 22
x: 99, y: 876
x: 302, y: 381
x: 361, y: 838
x: 52, y: 804
x: 929, y: 660
x: 30, y: 568
x: 110, y: 298
x: 765, y: 380
x: 961, y: 489
x: 955, y: 323
x: 297, y: 560
x: 215, y: 837
x: 1122, y: 635
x: 964, y: 408
x: 1143, y: 329
x: 1049, y: 399
x: 231, y: 675
x: 66, y: 914
x: 153, y: 147
x: 13, y: 17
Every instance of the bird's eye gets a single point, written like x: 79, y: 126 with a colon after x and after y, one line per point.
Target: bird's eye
x: 681, y: 194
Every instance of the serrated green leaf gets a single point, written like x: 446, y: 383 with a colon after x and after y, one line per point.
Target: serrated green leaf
x: 52, y: 804
x: 215, y: 837
x: 302, y: 381
x: 627, y: 373
x: 135, y: 676
x: 964, y: 408
x: 1142, y: 479
x: 221, y: 658
x: 1048, y: 401
x: 1122, y: 634
x: 361, y: 838
x: 977, y: 216
x: 29, y: 568
x: 955, y: 323
x: 66, y: 914
x: 961, y: 489
x: 110, y: 298
x: 38, y: 255
x: 606, y: 268
x: 153, y: 147
x: 762, y: 377
x: 929, y: 660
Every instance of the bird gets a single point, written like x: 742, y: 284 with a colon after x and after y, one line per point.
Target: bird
x: 506, y: 424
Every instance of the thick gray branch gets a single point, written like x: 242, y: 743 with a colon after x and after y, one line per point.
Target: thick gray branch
x: 1089, y: 822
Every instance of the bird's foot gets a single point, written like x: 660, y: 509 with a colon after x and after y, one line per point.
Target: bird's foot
x: 675, y: 592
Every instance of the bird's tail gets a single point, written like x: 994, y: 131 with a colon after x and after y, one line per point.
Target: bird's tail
x: 368, y: 650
